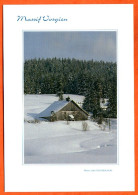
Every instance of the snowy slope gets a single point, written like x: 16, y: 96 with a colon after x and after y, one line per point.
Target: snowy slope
x: 59, y: 142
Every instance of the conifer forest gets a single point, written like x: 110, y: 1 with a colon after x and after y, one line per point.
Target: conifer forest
x: 92, y: 79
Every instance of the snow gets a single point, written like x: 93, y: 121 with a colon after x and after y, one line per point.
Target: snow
x: 60, y: 142
x: 34, y: 104
x: 56, y: 106
x: 71, y: 116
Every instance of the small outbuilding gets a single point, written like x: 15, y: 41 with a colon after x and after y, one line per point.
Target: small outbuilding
x: 64, y: 110
x: 104, y: 102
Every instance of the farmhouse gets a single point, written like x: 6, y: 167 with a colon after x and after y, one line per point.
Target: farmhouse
x: 64, y: 110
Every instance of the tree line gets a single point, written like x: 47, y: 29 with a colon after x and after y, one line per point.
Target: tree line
x: 93, y: 79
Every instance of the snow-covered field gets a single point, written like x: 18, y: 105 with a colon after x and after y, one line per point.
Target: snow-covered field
x: 59, y: 142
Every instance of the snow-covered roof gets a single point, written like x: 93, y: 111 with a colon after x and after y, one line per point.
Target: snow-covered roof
x: 55, y: 107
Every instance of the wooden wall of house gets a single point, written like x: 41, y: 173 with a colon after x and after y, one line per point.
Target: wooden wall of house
x: 64, y: 115
x: 78, y: 115
x: 69, y: 109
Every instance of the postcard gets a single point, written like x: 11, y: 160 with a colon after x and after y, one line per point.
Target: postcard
x: 68, y: 98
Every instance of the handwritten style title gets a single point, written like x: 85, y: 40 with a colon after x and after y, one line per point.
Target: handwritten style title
x: 40, y: 19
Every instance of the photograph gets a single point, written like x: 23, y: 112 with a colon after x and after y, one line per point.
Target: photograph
x: 70, y: 97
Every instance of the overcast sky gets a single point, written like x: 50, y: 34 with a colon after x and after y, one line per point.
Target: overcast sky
x: 80, y: 45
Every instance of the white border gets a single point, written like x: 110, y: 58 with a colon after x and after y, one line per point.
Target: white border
x: 63, y: 177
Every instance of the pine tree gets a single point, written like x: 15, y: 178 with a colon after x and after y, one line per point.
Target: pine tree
x: 93, y: 79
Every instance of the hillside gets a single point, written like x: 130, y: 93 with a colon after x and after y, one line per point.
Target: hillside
x: 59, y: 142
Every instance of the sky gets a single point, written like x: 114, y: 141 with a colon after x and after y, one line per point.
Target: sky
x: 83, y: 45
